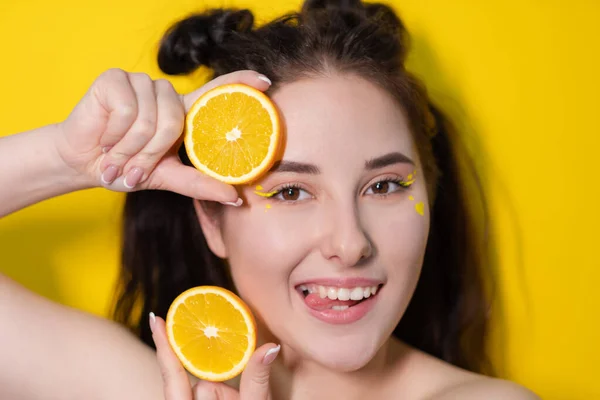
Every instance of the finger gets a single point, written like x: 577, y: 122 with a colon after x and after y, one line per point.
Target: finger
x: 169, y: 127
x: 175, y: 381
x: 170, y: 174
x: 116, y: 96
x: 142, y: 130
x: 250, y: 78
x: 205, y: 390
x: 254, y: 384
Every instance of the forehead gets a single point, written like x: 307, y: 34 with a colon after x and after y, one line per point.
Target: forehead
x: 341, y: 117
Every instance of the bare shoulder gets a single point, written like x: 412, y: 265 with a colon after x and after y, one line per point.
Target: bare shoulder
x: 422, y: 376
x: 79, y: 353
x: 482, y: 387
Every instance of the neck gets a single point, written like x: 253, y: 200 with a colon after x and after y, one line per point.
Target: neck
x: 293, y: 378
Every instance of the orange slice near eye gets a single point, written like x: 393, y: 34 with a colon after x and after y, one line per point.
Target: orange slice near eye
x: 232, y: 133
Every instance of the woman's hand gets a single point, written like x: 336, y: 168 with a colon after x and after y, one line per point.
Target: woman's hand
x: 125, y: 132
x: 254, y: 381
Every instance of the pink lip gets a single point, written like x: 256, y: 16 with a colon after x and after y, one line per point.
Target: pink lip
x: 351, y: 314
x: 342, y: 282
x: 347, y: 316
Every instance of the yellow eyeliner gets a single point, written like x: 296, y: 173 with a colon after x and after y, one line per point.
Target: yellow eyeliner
x: 263, y: 194
x: 411, y: 178
x: 407, y: 183
x: 259, y: 192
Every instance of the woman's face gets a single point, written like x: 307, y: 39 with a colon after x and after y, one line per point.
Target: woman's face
x: 350, y: 214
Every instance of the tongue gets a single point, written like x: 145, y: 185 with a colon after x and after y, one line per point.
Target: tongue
x: 314, y: 301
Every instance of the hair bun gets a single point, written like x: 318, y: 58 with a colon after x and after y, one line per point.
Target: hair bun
x: 195, y: 41
x: 376, y: 13
x: 354, y: 5
x: 385, y: 16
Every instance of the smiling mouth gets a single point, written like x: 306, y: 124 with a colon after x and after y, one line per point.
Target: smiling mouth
x: 319, y: 297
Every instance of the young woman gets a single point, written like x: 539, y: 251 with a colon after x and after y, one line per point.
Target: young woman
x: 370, y: 206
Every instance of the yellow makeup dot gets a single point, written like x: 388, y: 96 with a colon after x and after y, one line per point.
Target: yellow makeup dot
x: 258, y: 187
x: 420, y: 207
x: 267, y: 207
x: 411, y: 197
x: 409, y: 177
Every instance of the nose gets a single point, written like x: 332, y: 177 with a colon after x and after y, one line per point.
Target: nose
x: 345, y: 241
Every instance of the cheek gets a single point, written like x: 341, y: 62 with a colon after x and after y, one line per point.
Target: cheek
x: 400, y: 237
x: 264, y: 245
x: 405, y: 234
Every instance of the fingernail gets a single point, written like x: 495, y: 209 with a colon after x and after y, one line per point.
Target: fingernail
x: 238, y: 203
x: 133, y: 177
x: 271, y: 355
x: 264, y: 78
x: 105, y: 149
x: 109, y: 174
x: 152, y: 321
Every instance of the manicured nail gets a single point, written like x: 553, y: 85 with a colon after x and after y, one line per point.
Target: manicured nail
x: 109, y: 174
x: 264, y: 78
x: 238, y: 203
x: 133, y: 177
x: 271, y: 355
x: 152, y: 321
x: 105, y: 149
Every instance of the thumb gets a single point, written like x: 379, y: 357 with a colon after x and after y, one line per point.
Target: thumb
x: 170, y: 174
x: 254, y: 384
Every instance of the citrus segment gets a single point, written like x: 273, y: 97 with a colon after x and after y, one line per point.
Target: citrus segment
x: 232, y: 133
x: 212, y: 332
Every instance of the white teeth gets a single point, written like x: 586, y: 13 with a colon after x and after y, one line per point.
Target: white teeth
x: 356, y: 294
x: 340, y: 308
x: 343, y: 294
x: 332, y: 293
x: 322, y: 292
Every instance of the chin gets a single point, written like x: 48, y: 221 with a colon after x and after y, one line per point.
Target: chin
x: 346, y: 354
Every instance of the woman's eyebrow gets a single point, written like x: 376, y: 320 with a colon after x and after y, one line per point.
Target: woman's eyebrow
x: 388, y: 159
x: 297, y: 167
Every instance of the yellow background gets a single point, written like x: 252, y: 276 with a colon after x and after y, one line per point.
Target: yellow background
x: 520, y: 75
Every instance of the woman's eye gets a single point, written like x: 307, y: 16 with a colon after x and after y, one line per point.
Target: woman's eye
x: 292, y: 194
x: 383, y: 187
